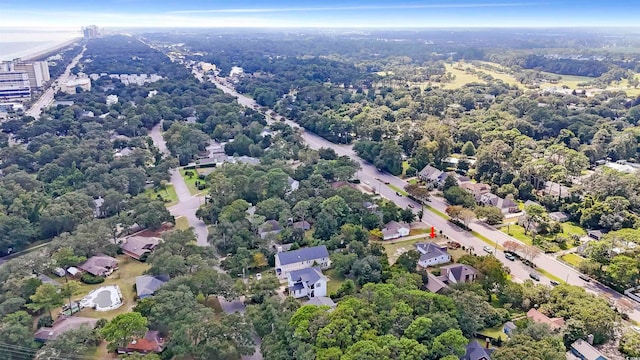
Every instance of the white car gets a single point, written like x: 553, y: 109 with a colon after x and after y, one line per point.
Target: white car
x: 636, y: 328
x: 488, y: 249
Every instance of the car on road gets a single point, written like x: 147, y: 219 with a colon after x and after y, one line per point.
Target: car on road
x: 635, y: 328
x: 554, y: 283
x: 534, y: 276
x: 367, y: 182
x: 453, y: 245
x: 397, y: 193
x: 488, y: 249
x: 509, y: 256
x: 386, y: 182
x: 584, y: 277
x: 410, y: 206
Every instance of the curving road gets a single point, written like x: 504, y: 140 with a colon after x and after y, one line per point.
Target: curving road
x: 369, y: 174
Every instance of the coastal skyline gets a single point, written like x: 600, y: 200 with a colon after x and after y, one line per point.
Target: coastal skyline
x: 331, y: 13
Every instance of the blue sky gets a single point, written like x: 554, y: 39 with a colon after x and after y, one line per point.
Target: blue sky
x: 326, y: 13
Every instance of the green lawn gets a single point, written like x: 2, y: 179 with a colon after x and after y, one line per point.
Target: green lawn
x: 395, y: 188
x: 494, y: 332
x: 572, y: 228
x: 191, y: 182
x: 168, y: 195
x: 335, y: 281
x: 393, y: 250
x: 125, y: 278
x: 572, y: 259
x: 437, y: 212
x: 182, y: 223
x: 413, y: 181
x: 517, y: 232
x: 549, y: 275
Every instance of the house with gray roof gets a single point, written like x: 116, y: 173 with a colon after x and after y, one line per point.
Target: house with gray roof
x: 139, y: 247
x: 63, y: 324
x: 309, y: 282
x: 269, y: 227
x: 293, y: 184
x: 505, y: 205
x: 99, y: 265
x: 394, y: 230
x: 432, y: 254
x: 303, y: 258
x: 146, y: 285
x: 321, y: 301
x: 430, y: 174
x: 585, y: 351
x: 303, y: 225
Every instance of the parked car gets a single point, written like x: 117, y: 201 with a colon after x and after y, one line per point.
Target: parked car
x: 397, y: 193
x: 488, y: 249
x: 410, y: 206
x: 453, y: 245
x: 584, y: 277
x: 554, y: 283
x: 534, y: 276
x: 509, y: 256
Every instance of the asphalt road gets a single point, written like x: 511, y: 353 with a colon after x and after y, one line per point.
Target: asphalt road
x: 187, y: 204
x: 46, y: 99
x: 368, y: 174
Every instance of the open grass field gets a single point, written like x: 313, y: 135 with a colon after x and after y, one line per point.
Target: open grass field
x: 124, y: 278
x: 168, y: 195
x: 517, y: 232
x: 395, y: 250
x: 191, y: 182
x: 461, y: 78
x: 572, y: 259
x: 568, y: 80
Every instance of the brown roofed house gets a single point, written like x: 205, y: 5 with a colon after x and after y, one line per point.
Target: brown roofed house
x: 536, y: 316
x: 150, y: 343
x: 139, y: 247
x: 99, y: 265
x: 62, y: 325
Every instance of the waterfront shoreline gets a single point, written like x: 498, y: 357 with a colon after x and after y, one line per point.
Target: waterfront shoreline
x: 40, y: 55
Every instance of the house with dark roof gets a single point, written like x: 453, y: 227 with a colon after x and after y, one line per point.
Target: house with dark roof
x: 475, y: 351
x: 63, y: 324
x: 146, y: 285
x: 303, y: 258
x: 139, y: 247
x: 269, y: 227
x: 432, y: 254
x: 585, y: 351
x: 303, y: 225
x: 309, y: 282
x: 449, y: 275
x: 536, y: 316
x: 99, y: 265
x: 151, y: 342
x: 394, y: 230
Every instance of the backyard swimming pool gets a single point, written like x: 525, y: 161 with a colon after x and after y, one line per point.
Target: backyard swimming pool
x: 103, y: 299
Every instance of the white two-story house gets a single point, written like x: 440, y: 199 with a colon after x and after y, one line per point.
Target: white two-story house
x: 304, y: 258
x: 307, y: 283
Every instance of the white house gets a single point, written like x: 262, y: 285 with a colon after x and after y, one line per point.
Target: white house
x: 431, y: 254
x: 307, y: 283
x: 304, y: 258
x: 394, y: 230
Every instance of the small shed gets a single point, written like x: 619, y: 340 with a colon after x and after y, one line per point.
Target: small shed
x: 73, y: 271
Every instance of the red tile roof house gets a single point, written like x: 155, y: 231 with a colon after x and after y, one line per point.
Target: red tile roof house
x: 150, y: 343
x: 139, y: 247
x: 100, y: 265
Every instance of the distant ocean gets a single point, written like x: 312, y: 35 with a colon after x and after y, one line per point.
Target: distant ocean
x: 16, y: 42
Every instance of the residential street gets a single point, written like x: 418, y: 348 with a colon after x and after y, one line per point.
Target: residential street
x: 368, y: 174
x: 187, y: 204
